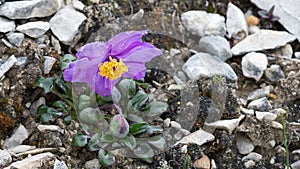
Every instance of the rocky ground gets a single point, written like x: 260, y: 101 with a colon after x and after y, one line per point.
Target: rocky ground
x: 229, y: 73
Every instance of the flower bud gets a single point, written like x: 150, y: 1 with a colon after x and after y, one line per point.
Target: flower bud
x: 119, y: 126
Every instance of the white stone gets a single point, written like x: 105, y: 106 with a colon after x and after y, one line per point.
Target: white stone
x: 235, y: 20
x: 167, y: 122
x: 252, y: 156
x: 29, y: 9
x: 287, y: 10
x: 297, y: 55
x: 15, y: 38
x: 261, y: 104
x: 228, y: 125
x: 34, y: 29
x: 22, y: 61
x: 296, y: 165
x: 213, y: 164
x: 254, y: 64
x: 7, y: 25
x: 286, y: 51
x: 198, y: 137
x: 259, y: 93
x: 215, y: 45
x: 262, y: 40
x: 32, y: 161
x: 174, y: 52
x: 44, y: 128
x: 92, y: 164
x: 276, y: 125
x: 202, y: 23
x: 60, y: 164
x: 4, y: 67
x: 48, y: 64
x: 265, y: 115
x: 19, y: 135
x: 66, y: 28
x: 20, y: 149
x: 244, y: 144
x: 296, y: 151
x: 5, y: 158
x: 247, y: 111
x: 175, y: 125
x: 204, y: 65
x: 78, y: 5
x: 249, y: 164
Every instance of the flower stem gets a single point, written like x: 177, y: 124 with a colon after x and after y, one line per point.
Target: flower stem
x: 64, y: 99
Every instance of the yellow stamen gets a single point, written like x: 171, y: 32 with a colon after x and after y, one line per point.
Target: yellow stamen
x: 112, y: 69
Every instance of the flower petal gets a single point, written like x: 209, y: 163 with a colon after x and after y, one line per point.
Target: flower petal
x: 94, y: 50
x: 123, y: 40
x: 142, y: 53
x: 103, y: 86
x: 136, y: 70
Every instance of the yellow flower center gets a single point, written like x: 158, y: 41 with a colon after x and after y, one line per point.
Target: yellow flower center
x: 112, y: 69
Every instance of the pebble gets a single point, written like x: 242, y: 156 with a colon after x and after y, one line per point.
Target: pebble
x: 92, y: 164
x: 198, y: 137
x: 213, y: 164
x: 24, y: 9
x: 296, y: 151
x: 202, y: 163
x: 287, y: 12
x: 78, y: 5
x: 34, y: 29
x: 286, y: 51
x: 247, y: 111
x: 296, y: 165
x: 262, y: 40
x: 184, y: 149
x: 22, y: 61
x: 48, y: 64
x: 55, y: 44
x: 297, y: 55
x: 259, y: 93
x: 5, y: 158
x: 244, y: 144
x: 32, y: 161
x: 252, y: 156
x: 175, y: 125
x: 203, y: 65
x: 254, y: 64
x: 4, y: 67
x: 203, y: 24
x: 60, y: 164
x: 35, y: 105
x: 235, y: 21
x: 249, y: 164
x: 174, y: 52
x: 19, y: 135
x: 265, y: 116
x: 167, y: 122
x: 261, y: 104
x: 228, y: 125
x: 67, y: 28
x: 7, y: 25
x: 215, y: 45
x: 276, y: 125
x: 15, y: 38
x: 274, y: 73
x: 44, y: 128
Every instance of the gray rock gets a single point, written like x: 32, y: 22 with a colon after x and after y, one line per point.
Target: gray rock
x: 6, y: 25
x: 92, y: 164
x: 235, y: 21
x: 34, y: 29
x: 22, y: 61
x: 296, y: 165
x: 265, y: 116
x: 244, y: 144
x: 274, y: 73
x: 35, y: 105
x: 262, y: 40
x: 4, y: 67
x: 5, y: 158
x: 261, y: 104
x: 252, y: 156
x: 288, y: 11
x: 29, y: 9
x: 66, y: 28
x: 15, y: 38
x: 48, y: 64
x: 228, y: 125
x: 215, y: 45
x: 19, y: 135
x: 60, y: 164
x: 55, y: 44
x: 204, y: 65
x: 259, y: 93
x: 198, y: 137
x: 174, y: 52
x: 254, y: 64
x: 32, y: 161
x: 202, y: 23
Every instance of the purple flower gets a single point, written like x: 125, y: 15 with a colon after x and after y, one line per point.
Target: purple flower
x: 102, y: 64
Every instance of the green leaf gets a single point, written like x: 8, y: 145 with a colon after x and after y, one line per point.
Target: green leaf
x: 106, y: 159
x: 130, y: 142
x: 115, y: 95
x: 46, y: 84
x: 135, y: 118
x: 63, y: 85
x: 41, y: 109
x: 66, y: 60
x: 157, y: 108
x: 46, y: 117
x: 60, y: 104
x: 107, y: 138
x: 94, y: 143
x: 144, y: 151
x: 89, y: 116
x: 158, y: 142
x: 138, y: 128
x: 119, y: 126
x: 137, y: 101
x: 84, y: 102
x: 80, y: 140
x: 154, y: 129
x: 127, y: 88
x: 68, y: 119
